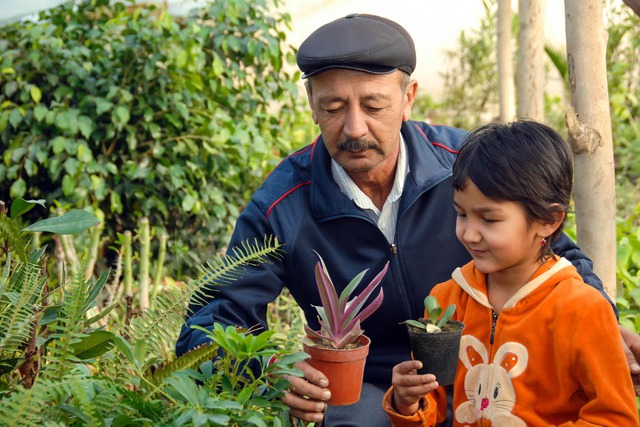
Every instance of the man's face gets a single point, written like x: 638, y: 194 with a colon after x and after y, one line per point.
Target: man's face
x: 360, y: 115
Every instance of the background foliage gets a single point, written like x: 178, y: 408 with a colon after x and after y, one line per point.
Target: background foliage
x: 134, y: 114
x: 145, y: 120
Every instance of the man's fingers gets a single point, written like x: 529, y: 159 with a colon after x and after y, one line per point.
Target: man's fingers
x: 304, y: 409
x: 304, y: 388
x: 311, y: 374
x: 631, y: 346
x: 307, y: 396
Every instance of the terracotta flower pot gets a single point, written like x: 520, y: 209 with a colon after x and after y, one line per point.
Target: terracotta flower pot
x: 437, y: 351
x: 344, y: 368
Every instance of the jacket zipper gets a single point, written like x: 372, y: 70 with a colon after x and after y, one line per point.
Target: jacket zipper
x: 494, y: 320
x: 394, y: 249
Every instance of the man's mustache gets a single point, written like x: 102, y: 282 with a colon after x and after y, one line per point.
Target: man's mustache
x: 356, y: 145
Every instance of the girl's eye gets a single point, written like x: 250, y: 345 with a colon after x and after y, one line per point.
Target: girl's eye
x: 461, y: 214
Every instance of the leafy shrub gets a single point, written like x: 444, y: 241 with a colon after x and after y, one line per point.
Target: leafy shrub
x: 60, y: 366
x: 135, y: 114
x: 628, y: 270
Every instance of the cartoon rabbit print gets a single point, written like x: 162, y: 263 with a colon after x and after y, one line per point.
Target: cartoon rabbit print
x: 488, y: 386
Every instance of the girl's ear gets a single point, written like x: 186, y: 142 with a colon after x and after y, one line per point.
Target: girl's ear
x: 549, y: 228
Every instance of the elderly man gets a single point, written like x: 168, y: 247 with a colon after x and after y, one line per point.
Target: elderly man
x: 375, y: 187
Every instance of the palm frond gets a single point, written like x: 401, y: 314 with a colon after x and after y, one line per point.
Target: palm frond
x: 558, y: 57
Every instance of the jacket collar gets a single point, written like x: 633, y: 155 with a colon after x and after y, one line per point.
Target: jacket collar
x: 474, y: 283
x: 425, y: 171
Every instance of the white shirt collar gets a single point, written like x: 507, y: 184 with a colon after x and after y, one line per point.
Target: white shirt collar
x: 351, y: 190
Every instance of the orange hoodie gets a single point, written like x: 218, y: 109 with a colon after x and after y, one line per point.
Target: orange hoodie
x: 554, y: 357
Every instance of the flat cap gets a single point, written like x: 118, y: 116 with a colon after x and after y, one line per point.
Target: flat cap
x: 368, y: 43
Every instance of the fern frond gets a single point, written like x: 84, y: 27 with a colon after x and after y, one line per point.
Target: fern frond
x: 192, y: 359
x: 68, y: 328
x: 18, y: 305
x: 161, y: 325
x: 30, y: 407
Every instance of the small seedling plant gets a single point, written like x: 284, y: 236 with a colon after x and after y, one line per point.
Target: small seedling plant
x: 433, y: 322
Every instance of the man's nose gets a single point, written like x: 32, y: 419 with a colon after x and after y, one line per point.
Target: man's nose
x: 355, y: 125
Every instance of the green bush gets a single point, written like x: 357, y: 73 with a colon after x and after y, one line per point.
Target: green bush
x: 66, y: 361
x: 135, y: 114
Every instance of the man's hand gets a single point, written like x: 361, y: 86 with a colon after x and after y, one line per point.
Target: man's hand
x: 307, y: 396
x: 631, y: 344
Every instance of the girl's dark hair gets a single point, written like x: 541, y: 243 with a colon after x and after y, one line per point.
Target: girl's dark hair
x: 525, y: 162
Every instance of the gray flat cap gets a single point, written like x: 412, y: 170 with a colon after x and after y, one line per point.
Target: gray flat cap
x: 360, y: 42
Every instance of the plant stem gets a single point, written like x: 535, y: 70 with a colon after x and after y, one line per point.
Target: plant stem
x: 128, y: 273
x: 162, y: 250
x: 93, y: 250
x: 145, y: 250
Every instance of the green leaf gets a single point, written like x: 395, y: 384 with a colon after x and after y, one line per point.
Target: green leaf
x: 39, y: 112
x: 68, y: 183
x: 217, y: 66
x: 85, y: 124
x: 63, y: 120
x: 122, y: 115
x: 10, y: 88
x: 18, y: 188
x: 448, y: 313
x: 21, y: 206
x: 416, y: 324
x: 103, y: 105
x: 36, y: 93
x: 58, y: 144
x: 94, y: 344
x: 15, y: 117
x: 125, y: 349
x: 71, y: 222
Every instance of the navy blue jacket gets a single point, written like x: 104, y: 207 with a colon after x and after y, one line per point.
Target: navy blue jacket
x: 301, y: 204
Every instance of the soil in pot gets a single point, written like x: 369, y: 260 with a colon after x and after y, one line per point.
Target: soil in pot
x: 344, y: 368
x: 438, y: 351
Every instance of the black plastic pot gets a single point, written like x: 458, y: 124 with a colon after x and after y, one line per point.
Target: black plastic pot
x: 438, y: 351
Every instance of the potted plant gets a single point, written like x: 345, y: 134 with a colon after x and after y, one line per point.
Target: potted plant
x: 339, y: 349
x: 435, y: 340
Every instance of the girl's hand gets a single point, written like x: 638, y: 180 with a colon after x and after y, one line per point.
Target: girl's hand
x: 409, y: 387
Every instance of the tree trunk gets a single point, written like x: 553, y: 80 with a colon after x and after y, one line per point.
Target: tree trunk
x: 505, y: 63
x: 589, y: 125
x: 530, y: 68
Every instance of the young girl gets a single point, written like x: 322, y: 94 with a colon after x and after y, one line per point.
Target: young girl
x: 539, y: 347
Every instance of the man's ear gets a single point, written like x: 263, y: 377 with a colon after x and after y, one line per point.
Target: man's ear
x: 307, y: 86
x: 410, y: 97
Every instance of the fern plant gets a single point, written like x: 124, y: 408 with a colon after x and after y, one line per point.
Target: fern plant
x: 59, y: 367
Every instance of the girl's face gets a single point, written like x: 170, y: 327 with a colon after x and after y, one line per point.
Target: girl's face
x: 498, y: 235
